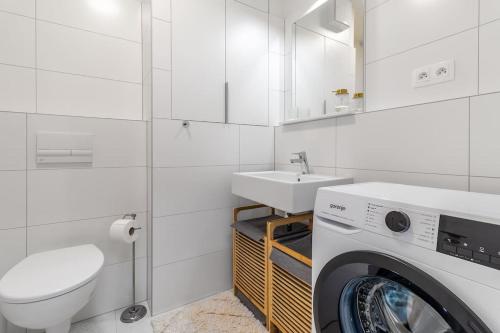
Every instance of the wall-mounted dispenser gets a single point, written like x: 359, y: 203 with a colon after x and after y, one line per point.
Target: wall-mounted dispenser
x: 59, y: 147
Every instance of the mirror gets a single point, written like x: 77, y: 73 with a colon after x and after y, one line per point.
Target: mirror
x: 327, y: 61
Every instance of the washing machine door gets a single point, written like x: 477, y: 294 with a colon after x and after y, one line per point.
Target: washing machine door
x: 369, y: 292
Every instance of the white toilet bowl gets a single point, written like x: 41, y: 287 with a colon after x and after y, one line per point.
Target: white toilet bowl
x: 45, y: 290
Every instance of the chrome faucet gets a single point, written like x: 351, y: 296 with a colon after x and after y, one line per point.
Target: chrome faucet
x: 302, y: 159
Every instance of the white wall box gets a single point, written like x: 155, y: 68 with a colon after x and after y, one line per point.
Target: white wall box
x: 198, y: 59
x: 247, y: 64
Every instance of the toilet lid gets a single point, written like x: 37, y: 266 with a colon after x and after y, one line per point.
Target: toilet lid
x: 49, y: 274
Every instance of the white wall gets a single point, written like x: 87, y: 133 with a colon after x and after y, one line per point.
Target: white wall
x: 444, y: 135
x: 72, y: 67
x: 192, y: 168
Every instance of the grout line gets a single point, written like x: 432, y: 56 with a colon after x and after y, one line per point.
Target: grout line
x: 420, y: 46
x: 72, y: 116
x: 18, y: 14
x: 88, y: 220
x: 90, y: 76
x: 249, y: 6
x: 191, y: 212
x: 409, y: 172
x: 89, y: 31
x: 192, y: 258
x: 68, y: 168
x: 376, y: 6
x: 469, y: 152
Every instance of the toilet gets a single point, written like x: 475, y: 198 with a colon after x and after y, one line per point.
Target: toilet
x: 45, y: 290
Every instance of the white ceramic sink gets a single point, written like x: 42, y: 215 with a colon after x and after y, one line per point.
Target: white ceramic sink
x: 288, y: 191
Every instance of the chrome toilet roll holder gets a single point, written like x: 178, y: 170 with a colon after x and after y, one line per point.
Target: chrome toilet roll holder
x: 135, y: 312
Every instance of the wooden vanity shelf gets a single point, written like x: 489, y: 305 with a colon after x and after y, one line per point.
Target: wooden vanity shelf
x: 251, y: 248
x: 290, y: 294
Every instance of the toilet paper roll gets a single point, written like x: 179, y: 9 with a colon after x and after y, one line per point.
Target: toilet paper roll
x: 124, y: 230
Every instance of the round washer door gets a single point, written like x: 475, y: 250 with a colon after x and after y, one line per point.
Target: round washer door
x: 369, y: 292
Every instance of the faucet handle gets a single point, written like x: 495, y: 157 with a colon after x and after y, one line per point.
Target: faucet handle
x: 300, y: 154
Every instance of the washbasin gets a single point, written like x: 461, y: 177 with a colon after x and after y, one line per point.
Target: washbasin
x: 288, y: 191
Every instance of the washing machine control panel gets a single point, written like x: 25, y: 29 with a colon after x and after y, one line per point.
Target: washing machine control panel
x: 406, y: 224
x: 470, y: 240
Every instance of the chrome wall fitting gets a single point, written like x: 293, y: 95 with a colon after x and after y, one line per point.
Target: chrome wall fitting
x: 134, y: 312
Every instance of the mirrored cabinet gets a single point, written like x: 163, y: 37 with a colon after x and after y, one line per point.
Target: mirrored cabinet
x: 327, y: 61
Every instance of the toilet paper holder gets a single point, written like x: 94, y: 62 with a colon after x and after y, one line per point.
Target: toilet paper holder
x: 134, y: 312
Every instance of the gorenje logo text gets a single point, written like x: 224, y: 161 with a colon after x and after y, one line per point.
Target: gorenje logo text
x: 339, y: 207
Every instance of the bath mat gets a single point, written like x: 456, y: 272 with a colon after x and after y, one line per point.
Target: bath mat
x: 222, y: 313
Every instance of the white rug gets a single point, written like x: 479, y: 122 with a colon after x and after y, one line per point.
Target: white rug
x: 218, y: 314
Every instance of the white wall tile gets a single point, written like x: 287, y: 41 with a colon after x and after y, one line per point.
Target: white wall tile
x: 21, y: 7
x: 258, y: 4
x: 162, y: 44
x: 382, y: 39
x: 256, y: 145
x: 162, y: 9
x: 389, y: 81
x: 12, y: 141
x: 74, y: 194
x: 94, y: 231
x: 189, y: 189
x: 114, y: 289
x: 162, y: 93
x: 17, y: 89
x: 485, y: 185
x: 76, y: 51
x: 420, y: 179
x: 17, y: 34
x: 276, y: 71
x: 115, y: 18
x: 13, y: 199
x: 430, y: 138
x: 184, y: 282
x: 75, y: 95
x: 490, y: 10
x: 370, y: 4
x: 117, y: 143
x: 489, y: 53
x: 317, y: 170
x: 316, y: 138
x: 485, y: 135
x: 12, y: 248
x: 202, y: 143
x: 196, y: 234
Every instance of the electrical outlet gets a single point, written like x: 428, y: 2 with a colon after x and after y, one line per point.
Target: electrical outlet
x: 421, y: 76
x: 433, y: 74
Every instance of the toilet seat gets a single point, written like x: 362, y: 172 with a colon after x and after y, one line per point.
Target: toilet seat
x: 50, y: 274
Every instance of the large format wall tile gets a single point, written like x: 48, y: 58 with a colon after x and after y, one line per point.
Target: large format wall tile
x: 389, y: 81
x: 490, y: 10
x: 202, y: 143
x: 485, y: 136
x: 94, y: 231
x: 489, y: 53
x: 421, y: 179
x: 76, y: 51
x: 161, y: 9
x: 75, y: 194
x: 12, y: 141
x: 383, y: 39
x: 120, y: 19
x: 117, y: 143
x: 430, y: 138
x: 256, y: 145
x: 370, y: 4
x: 17, y: 89
x: 190, y: 189
x: 197, y: 234
x: 21, y: 7
x: 17, y: 34
x: 114, y: 289
x: 485, y: 185
x: 317, y: 138
x: 258, y: 4
x: 12, y: 248
x: 12, y: 199
x: 74, y: 95
x: 186, y: 281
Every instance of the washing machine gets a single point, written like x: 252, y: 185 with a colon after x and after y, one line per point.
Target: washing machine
x: 391, y: 258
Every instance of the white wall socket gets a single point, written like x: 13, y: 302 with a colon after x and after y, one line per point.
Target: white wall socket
x: 433, y: 74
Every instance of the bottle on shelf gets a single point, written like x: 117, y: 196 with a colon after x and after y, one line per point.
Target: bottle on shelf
x: 342, y: 104
x: 357, y: 102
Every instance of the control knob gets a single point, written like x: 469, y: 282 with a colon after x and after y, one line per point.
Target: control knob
x: 397, y: 221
